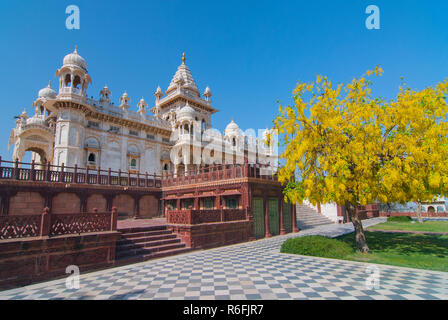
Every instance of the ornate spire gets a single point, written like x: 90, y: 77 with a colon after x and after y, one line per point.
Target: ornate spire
x: 76, y: 49
x: 183, y: 78
x: 142, y: 106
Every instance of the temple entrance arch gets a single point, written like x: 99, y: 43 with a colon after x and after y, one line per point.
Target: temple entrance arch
x: 38, y: 155
x: 32, y: 135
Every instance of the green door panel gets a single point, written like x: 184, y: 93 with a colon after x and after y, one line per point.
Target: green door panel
x: 274, y: 227
x: 257, y: 205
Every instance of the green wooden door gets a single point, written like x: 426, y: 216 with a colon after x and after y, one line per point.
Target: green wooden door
x: 287, y: 217
x: 274, y: 227
x: 257, y: 205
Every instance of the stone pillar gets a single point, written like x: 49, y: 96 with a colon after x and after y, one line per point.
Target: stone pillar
x: 109, y: 201
x: 280, y: 210
x: 294, y: 218
x: 83, y: 202
x: 163, y: 204
x: 196, y: 203
x: 136, y: 206
x: 218, y: 202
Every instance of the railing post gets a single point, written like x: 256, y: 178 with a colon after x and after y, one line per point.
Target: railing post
x: 61, y: 176
x: 108, y: 177
x: 87, y: 174
x: 48, y: 172
x: 154, y: 179
x: 119, y: 177
x: 98, y: 175
x: 1, y: 168
x: 221, y: 213
x: 129, y: 178
x: 75, y: 174
x: 45, y: 223
x: 16, y: 169
x: 146, y: 179
x: 114, y: 217
x: 32, y: 176
x: 138, y: 178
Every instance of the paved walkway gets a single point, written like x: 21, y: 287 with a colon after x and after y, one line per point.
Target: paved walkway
x: 253, y: 270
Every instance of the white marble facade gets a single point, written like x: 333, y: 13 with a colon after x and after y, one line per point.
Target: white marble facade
x: 71, y: 129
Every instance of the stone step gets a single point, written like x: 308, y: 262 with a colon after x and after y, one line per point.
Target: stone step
x: 142, y: 229
x: 146, y: 251
x: 124, y: 240
x: 308, y: 217
x: 149, y: 244
x: 145, y: 234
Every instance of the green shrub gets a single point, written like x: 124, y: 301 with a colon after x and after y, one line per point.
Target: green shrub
x: 318, y: 246
x: 399, y: 219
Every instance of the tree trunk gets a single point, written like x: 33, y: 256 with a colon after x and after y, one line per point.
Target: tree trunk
x: 419, y: 211
x: 360, y: 237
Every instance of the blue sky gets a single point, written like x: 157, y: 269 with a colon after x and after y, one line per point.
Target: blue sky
x: 250, y: 53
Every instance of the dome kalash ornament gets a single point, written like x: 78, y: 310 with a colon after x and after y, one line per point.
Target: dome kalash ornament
x: 74, y: 59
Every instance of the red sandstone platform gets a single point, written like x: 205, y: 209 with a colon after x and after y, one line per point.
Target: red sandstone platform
x: 138, y: 223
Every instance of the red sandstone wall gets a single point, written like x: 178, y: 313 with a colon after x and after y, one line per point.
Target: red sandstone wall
x: 26, y: 203
x: 149, y: 206
x: 66, y: 203
x: 124, y: 204
x: 212, y: 235
x: 24, y: 261
x: 96, y: 201
x: 413, y: 214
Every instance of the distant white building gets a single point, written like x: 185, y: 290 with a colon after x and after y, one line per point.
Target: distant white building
x: 438, y: 205
x: 71, y: 129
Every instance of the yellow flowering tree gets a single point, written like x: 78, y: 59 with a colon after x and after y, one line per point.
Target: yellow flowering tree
x: 343, y: 146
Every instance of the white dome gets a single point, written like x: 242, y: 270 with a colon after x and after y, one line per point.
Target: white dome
x: 186, y: 111
x: 47, y: 92
x: 75, y: 59
x: 232, y: 129
x: 35, y: 120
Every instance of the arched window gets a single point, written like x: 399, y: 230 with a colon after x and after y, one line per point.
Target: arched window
x: 233, y: 142
x: 91, y: 157
x: 76, y: 82
x: 165, y: 167
x: 133, y: 162
x: 203, y: 125
x: 68, y: 79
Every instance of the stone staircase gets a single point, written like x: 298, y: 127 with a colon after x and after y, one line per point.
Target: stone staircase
x: 143, y: 243
x: 307, y: 217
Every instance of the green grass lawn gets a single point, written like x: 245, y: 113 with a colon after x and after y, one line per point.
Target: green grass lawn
x: 430, y: 226
x: 402, y: 249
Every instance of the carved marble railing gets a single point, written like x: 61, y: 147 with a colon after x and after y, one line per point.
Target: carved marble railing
x: 47, y: 224
x: 76, y: 175
x: 191, y: 216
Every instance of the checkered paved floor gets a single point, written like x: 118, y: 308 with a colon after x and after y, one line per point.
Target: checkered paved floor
x: 254, y: 270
